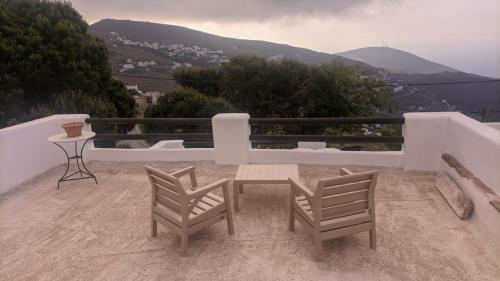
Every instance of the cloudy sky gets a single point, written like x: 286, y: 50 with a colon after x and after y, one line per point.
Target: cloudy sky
x: 463, y: 34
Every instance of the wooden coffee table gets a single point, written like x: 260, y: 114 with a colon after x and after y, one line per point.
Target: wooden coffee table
x: 261, y: 174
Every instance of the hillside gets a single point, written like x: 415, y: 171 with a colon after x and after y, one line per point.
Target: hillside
x: 163, y: 38
x: 395, y: 61
x: 467, y: 98
x: 157, y: 50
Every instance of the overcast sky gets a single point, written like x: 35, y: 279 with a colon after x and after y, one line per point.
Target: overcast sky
x: 463, y: 34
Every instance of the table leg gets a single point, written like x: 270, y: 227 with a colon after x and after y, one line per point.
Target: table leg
x: 83, y: 163
x: 236, y: 201
x: 241, y: 188
x: 66, y: 177
x: 67, y: 166
x: 76, y: 155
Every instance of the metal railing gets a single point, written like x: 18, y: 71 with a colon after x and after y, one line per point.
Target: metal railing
x: 267, y: 139
x: 206, y: 139
x: 190, y: 139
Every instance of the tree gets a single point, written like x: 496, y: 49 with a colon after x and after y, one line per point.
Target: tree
x: 289, y: 88
x: 76, y: 102
x: 45, y: 50
x: 11, y: 103
x: 185, y: 102
x: 203, y: 80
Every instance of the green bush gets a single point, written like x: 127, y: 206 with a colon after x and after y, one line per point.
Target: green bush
x: 185, y: 102
x: 290, y: 89
x: 79, y: 102
x: 45, y: 49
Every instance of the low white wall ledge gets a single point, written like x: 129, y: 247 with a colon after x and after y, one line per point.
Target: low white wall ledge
x: 25, y: 151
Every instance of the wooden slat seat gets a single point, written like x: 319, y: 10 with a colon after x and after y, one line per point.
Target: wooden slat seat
x: 209, y: 206
x: 186, y: 211
x: 340, y: 206
x: 304, y: 209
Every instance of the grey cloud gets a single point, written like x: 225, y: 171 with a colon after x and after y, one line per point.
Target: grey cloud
x: 218, y: 10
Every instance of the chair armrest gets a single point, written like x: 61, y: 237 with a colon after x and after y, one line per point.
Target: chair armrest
x: 296, y: 184
x: 344, y: 172
x: 183, y: 172
x: 207, y: 188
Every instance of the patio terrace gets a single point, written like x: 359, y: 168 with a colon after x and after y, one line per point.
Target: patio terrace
x: 101, y: 232
x: 85, y: 231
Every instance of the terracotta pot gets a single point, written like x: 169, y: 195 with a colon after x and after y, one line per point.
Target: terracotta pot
x: 73, y: 129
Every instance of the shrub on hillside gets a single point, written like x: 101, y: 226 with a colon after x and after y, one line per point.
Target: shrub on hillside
x: 185, y: 102
x: 45, y: 49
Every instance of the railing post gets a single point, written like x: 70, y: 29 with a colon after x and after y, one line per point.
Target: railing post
x: 231, y: 138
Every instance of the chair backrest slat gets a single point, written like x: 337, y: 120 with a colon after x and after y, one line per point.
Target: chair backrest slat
x: 344, y: 210
x: 168, y: 191
x: 168, y: 203
x: 344, y: 198
x: 165, y: 183
x: 347, y: 187
x: 346, y: 195
x: 347, y: 179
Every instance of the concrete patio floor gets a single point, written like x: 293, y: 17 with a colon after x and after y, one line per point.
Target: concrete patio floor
x: 101, y: 232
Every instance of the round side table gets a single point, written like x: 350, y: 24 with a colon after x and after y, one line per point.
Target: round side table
x: 85, y: 173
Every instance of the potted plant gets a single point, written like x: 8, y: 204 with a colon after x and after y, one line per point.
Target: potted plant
x: 73, y: 129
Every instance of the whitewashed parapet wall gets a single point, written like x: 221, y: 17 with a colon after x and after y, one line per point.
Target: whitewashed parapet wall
x: 472, y: 143
x: 25, y: 151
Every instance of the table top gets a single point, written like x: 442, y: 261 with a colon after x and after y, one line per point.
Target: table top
x: 266, y: 173
x: 64, y: 138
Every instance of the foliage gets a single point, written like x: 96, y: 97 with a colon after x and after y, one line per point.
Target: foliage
x: 185, y: 102
x: 289, y: 88
x: 76, y: 102
x: 203, y: 80
x: 11, y: 101
x: 45, y: 49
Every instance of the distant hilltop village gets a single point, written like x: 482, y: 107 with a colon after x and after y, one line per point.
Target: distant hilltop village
x: 181, y: 56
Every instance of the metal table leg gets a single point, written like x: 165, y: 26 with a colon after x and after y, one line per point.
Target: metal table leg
x: 78, y: 158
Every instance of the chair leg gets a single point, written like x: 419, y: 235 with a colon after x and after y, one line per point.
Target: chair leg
x: 373, y: 238
x: 154, y: 228
x: 184, y: 244
x: 236, y: 200
x: 291, y: 221
x: 229, y: 212
x: 318, y: 248
x: 230, y: 224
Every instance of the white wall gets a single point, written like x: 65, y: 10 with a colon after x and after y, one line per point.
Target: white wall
x: 484, y: 217
x: 494, y: 125
x: 477, y: 147
x: 231, y: 138
x: 327, y: 157
x: 25, y: 151
x: 425, y: 140
x: 148, y: 154
x: 474, y: 144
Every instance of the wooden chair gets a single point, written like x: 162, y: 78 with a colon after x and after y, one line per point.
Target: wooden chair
x: 186, y: 211
x: 340, y: 206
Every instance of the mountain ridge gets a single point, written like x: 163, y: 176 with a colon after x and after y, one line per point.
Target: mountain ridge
x: 157, y: 50
x: 395, y: 60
